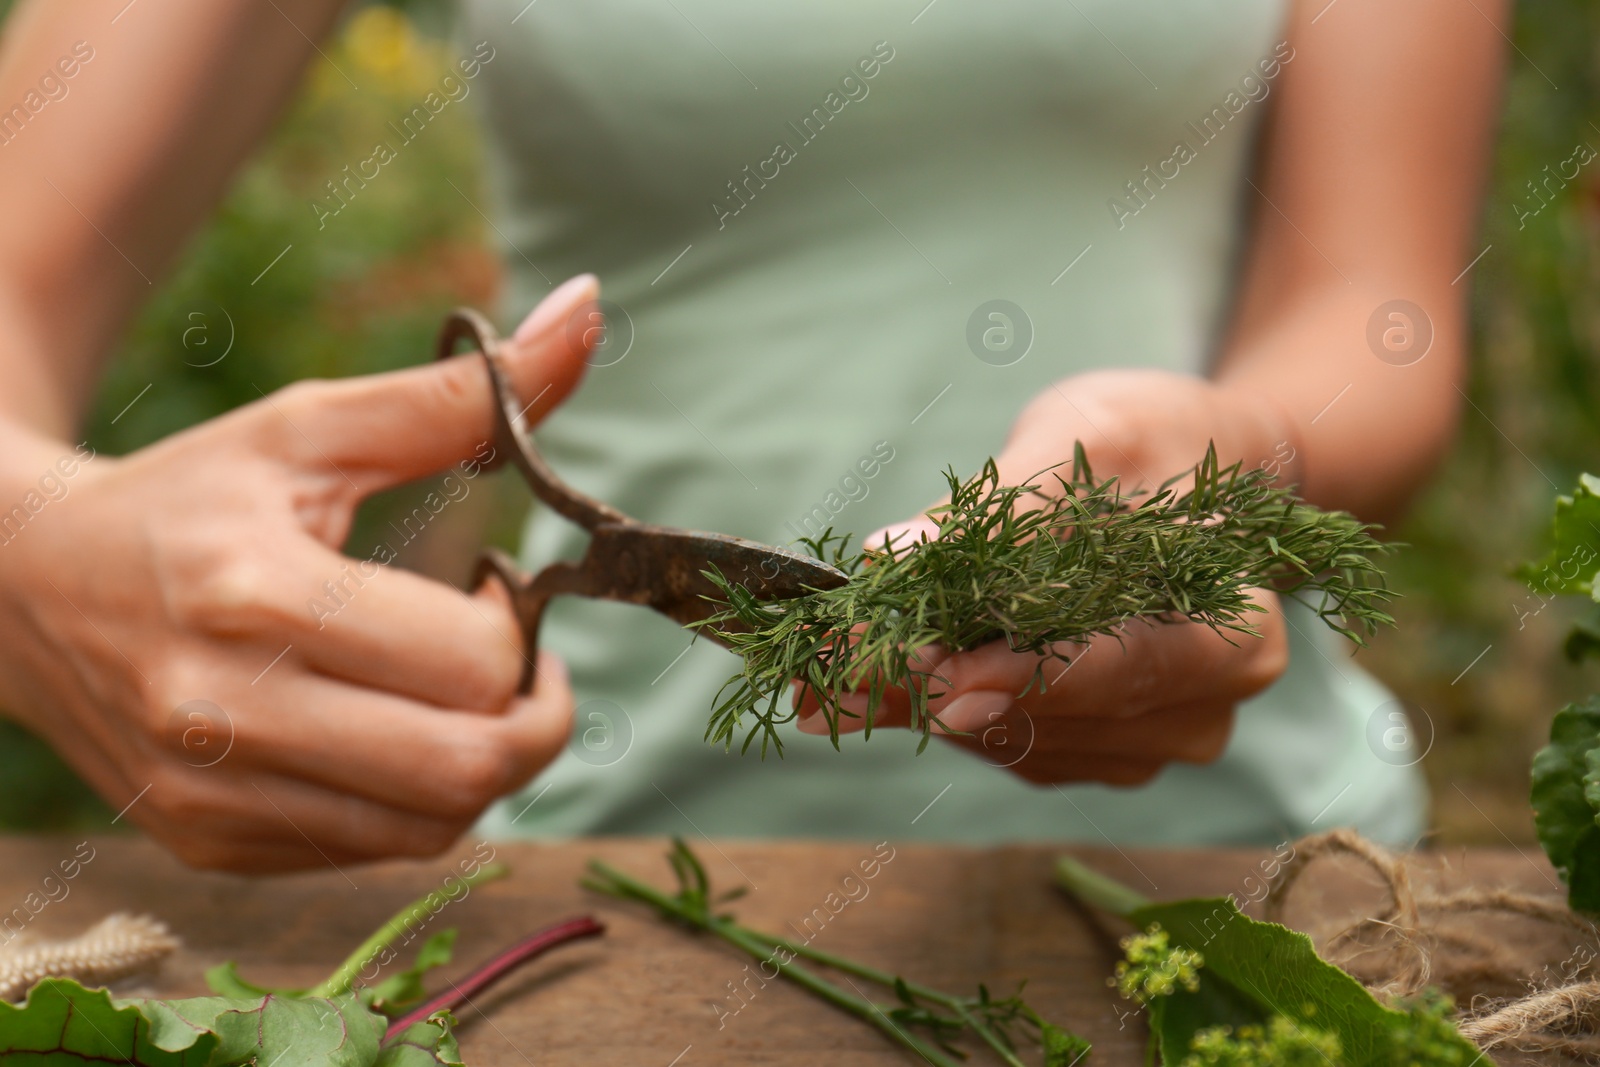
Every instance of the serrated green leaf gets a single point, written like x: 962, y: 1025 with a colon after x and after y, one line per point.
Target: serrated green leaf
x: 1279, y: 970
x: 1563, y: 813
x: 1574, y: 556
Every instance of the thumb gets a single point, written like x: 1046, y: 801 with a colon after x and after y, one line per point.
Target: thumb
x: 382, y: 430
x: 902, y: 535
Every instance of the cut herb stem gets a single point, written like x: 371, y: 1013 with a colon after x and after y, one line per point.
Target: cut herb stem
x: 1098, y: 890
x: 944, y: 1015
x: 614, y: 883
x: 955, y: 1005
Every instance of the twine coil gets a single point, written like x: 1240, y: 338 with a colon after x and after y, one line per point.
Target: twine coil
x: 1406, y: 947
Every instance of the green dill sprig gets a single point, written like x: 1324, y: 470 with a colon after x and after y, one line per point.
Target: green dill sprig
x: 920, y: 1019
x: 1041, y: 571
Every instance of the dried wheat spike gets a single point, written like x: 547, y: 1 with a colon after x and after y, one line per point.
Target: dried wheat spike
x: 115, y: 947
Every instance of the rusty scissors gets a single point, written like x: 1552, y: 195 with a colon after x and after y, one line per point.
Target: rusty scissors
x: 660, y: 567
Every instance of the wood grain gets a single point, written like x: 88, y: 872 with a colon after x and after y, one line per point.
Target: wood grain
x: 652, y: 995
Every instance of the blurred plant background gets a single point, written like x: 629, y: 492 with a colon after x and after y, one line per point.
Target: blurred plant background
x: 1475, y: 654
x: 1531, y: 425
x: 363, y: 293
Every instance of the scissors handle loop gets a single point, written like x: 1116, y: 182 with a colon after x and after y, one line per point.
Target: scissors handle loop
x: 512, y: 436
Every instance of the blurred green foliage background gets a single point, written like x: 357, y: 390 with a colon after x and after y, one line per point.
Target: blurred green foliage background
x: 366, y: 293
x: 1530, y: 424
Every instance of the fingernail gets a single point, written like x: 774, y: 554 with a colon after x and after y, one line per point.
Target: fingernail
x: 973, y: 710
x: 558, y: 306
x: 902, y: 535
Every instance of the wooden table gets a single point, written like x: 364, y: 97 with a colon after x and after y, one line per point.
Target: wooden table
x: 648, y: 994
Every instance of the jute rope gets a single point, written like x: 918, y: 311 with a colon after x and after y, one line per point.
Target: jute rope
x: 1403, y: 948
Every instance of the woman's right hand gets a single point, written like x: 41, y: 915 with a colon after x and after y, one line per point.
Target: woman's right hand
x: 379, y: 725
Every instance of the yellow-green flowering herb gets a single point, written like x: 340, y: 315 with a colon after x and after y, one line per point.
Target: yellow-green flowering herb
x: 1154, y: 967
x: 1041, y: 571
x: 1280, y: 1044
x: 1260, y: 996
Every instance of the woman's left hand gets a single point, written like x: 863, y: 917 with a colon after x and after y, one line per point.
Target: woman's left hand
x: 1126, y: 705
x: 1367, y: 197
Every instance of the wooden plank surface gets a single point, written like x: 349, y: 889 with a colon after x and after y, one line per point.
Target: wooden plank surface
x: 652, y: 995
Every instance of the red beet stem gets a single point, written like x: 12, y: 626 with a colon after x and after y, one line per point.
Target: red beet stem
x: 486, y: 975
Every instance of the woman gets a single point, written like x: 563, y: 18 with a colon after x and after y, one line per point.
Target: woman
x: 1238, y: 222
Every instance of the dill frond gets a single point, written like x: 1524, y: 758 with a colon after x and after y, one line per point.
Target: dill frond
x: 1042, y: 571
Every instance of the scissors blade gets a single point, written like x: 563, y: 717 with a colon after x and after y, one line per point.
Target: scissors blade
x: 662, y: 566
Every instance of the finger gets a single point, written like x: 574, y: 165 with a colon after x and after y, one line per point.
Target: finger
x: 382, y: 430
x: 391, y: 750
x: 367, y: 623
x: 263, y: 823
x: 1188, y: 733
x: 391, y: 629
x: 1145, y: 666
x: 900, y: 537
x: 894, y: 708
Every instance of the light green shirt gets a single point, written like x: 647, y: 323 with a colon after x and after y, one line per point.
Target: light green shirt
x: 801, y: 210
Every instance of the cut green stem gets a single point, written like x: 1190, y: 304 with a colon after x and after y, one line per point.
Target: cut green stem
x: 915, y: 1007
x: 958, y: 1006
x: 1096, y: 889
x: 760, y: 947
x: 344, y: 977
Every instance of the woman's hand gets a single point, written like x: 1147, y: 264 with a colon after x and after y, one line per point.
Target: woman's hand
x: 365, y: 711
x: 1155, y: 694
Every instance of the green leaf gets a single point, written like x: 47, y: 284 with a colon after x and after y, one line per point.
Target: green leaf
x: 1583, y: 640
x: 429, y: 1043
x: 397, y: 992
x: 1279, y: 971
x: 1574, y: 557
x: 283, y: 1031
x: 61, y: 1024
x: 224, y: 981
x: 1565, y: 792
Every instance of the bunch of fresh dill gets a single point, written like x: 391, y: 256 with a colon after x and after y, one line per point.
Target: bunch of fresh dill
x: 1041, y: 571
